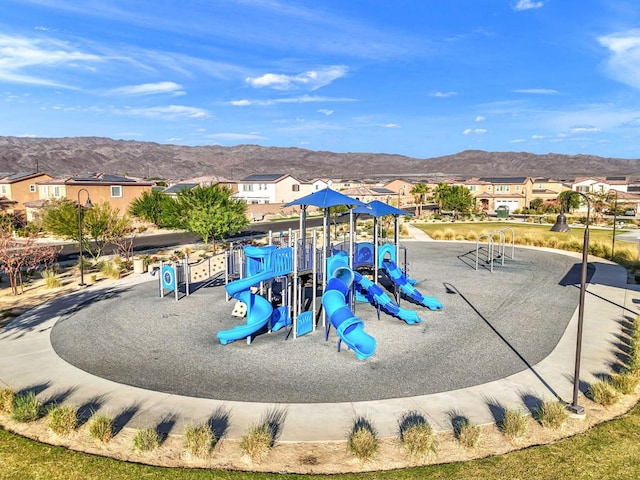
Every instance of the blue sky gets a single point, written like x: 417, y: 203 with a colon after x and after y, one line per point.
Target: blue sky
x: 416, y: 77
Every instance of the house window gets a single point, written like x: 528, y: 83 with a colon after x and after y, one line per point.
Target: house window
x: 45, y: 190
x: 56, y: 191
x: 472, y: 188
x: 247, y: 187
x: 116, y: 191
x: 295, y: 187
x: 502, y: 188
x: 517, y: 188
x: 32, y: 188
x: 582, y: 188
x: 3, y: 189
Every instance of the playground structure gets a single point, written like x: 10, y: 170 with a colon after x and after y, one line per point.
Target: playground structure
x: 276, y: 286
x: 492, y: 251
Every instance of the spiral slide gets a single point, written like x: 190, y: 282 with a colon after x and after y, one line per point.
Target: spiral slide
x: 349, y: 328
x: 259, y: 309
x: 377, y: 296
x: 399, y: 278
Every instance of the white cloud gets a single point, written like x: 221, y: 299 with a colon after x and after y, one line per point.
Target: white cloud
x: 301, y: 99
x: 537, y: 91
x: 518, y: 140
x: 477, y: 131
x: 326, y: 111
x: 168, y: 112
x: 233, y: 137
x: 538, y: 137
x: 148, y: 89
x: 624, y: 62
x: 443, y: 94
x: 390, y: 125
x: 480, y: 118
x: 527, y: 5
x: 584, y: 129
x: 18, y: 54
x: 311, y: 80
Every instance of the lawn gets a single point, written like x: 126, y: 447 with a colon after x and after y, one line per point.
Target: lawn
x: 608, y: 451
x: 600, y: 239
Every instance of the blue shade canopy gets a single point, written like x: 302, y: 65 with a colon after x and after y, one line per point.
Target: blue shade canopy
x: 377, y: 208
x: 326, y: 198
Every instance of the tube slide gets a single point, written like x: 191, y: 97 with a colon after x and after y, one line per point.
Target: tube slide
x: 259, y: 309
x: 399, y: 278
x: 349, y: 328
x: 377, y: 296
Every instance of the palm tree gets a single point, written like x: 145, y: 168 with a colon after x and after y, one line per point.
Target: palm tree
x: 419, y: 192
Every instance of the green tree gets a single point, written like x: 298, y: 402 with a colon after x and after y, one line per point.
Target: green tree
x: 151, y: 206
x: 101, y: 224
x: 210, y: 212
x: 454, y: 197
x: 569, y: 200
x: 536, y: 204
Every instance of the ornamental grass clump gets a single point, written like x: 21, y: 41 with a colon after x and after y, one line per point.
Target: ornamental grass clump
x: 26, y: 408
x: 363, y: 440
x: 257, y: 442
x: 514, y: 425
x: 468, y: 434
x: 51, y: 279
x: 417, y: 435
x: 101, y: 428
x: 625, y: 383
x: 603, y: 393
x: 146, y: 439
x: 7, y: 398
x: 110, y: 270
x: 552, y: 414
x: 62, y: 419
x: 198, y: 440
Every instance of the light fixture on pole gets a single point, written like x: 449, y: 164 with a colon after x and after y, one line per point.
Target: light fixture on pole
x: 87, y: 205
x: 615, y: 220
x: 561, y: 226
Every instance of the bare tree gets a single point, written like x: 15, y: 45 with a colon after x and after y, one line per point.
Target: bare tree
x: 23, y: 256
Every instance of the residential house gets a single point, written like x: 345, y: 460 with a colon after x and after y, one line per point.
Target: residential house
x: 369, y: 194
x: 548, y: 189
x: 493, y: 192
x: 19, y: 189
x: 402, y: 188
x: 265, y: 188
x: 600, y: 184
x: 116, y: 190
x: 204, y: 181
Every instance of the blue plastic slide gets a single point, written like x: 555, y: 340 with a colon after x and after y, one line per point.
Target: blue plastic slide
x: 400, y: 279
x: 349, y: 328
x: 259, y: 309
x: 377, y: 296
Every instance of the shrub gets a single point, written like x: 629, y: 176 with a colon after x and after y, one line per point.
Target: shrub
x: 110, y: 270
x: 625, y: 383
x: 468, y: 434
x: 146, y: 439
x: 7, y: 397
x: 101, y: 428
x: 363, y: 440
x: 552, y: 414
x: 63, y: 419
x: 51, y: 279
x: 257, y: 442
x: 26, y: 408
x: 514, y: 424
x: 603, y: 393
x: 418, y: 439
x: 449, y: 234
x: 198, y: 440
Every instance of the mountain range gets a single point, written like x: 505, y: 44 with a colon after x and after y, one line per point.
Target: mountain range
x: 74, y: 155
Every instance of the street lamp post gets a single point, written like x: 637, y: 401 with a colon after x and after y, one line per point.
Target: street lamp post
x: 615, y: 220
x: 88, y: 204
x: 561, y: 226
